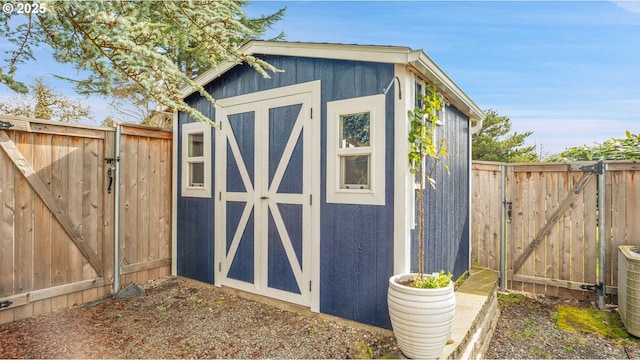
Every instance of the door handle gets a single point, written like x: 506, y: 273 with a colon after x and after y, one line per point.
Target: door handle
x: 264, y: 197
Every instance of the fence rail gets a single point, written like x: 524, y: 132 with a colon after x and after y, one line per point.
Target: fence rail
x: 57, y: 217
x: 547, y: 215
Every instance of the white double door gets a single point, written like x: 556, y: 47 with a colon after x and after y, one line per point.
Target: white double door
x: 266, y: 183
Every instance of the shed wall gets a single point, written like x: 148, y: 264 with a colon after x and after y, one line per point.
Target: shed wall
x: 356, y: 240
x: 447, y: 245
x: 194, y: 215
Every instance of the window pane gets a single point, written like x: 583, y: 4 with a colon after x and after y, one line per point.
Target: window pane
x: 196, y: 145
x: 196, y: 174
x: 354, y: 130
x: 354, y: 172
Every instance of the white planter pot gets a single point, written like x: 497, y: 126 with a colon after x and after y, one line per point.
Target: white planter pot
x: 421, y: 318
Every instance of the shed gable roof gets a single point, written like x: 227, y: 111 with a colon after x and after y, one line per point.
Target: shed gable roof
x: 416, y: 60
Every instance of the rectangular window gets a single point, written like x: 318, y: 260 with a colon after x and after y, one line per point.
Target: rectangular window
x: 196, y: 160
x: 355, y: 150
x: 354, y: 172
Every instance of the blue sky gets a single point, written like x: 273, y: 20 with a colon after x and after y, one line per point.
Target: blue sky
x: 568, y: 71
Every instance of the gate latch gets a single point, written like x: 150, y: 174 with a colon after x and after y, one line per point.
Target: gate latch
x: 597, y: 288
x: 112, y: 167
x: 509, y: 206
x: 5, y: 125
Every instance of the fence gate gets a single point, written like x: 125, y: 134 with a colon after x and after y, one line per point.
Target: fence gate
x: 551, y: 227
x: 57, y: 212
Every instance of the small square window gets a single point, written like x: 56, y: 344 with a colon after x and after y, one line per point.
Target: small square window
x: 196, y: 145
x: 354, y: 172
x: 355, y: 130
x: 196, y: 174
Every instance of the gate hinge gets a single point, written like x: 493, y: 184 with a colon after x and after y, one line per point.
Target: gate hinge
x: 596, y: 168
x: 597, y: 288
x: 5, y: 125
x: 5, y: 304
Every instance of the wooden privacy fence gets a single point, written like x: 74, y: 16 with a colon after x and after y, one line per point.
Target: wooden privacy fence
x: 57, y: 212
x: 548, y: 219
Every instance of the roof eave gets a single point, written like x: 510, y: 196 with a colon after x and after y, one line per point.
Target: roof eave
x: 422, y: 63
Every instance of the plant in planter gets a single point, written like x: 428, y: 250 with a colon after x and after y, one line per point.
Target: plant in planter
x: 422, y: 307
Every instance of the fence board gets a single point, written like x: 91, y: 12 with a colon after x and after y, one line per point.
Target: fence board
x: 42, y: 215
x: 540, y: 253
x: 23, y: 214
x: 7, y: 206
x: 552, y: 202
x: 142, y: 227
x: 59, y: 168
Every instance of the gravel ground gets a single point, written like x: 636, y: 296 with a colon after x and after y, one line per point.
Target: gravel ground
x: 527, y: 329
x: 180, y: 318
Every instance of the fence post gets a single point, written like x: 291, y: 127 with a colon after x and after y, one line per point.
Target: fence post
x: 602, y: 234
x: 116, y: 220
x: 503, y: 230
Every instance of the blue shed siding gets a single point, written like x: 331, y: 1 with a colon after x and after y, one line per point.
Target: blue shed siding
x: 357, y: 240
x: 194, y: 217
x: 446, y: 209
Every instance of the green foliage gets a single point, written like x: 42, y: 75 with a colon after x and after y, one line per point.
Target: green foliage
x: 495, y: 143
x: 155, y: 48
x: 439, y: 280
x: 627, y: 148
x: 45, y: 103
x: 423, y: 122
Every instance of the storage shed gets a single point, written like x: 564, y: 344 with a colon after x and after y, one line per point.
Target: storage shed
x: 302, y: 193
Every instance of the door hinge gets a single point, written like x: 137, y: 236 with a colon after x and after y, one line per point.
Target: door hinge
x: 310, y: 199
x: 220, y: 196
x: 220, y: 267
x: 311, y: 113
x: 309, y: 285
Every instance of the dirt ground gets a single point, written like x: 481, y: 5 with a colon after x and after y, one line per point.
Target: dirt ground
x: 528, y: 329
x: 180, y: 318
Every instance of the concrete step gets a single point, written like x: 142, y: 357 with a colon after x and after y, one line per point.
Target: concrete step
x: 477, y: 314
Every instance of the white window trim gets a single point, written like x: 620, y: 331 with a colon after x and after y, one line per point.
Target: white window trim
x: 439, y: 123
x: 205, y: 130
x: 375, y: 194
